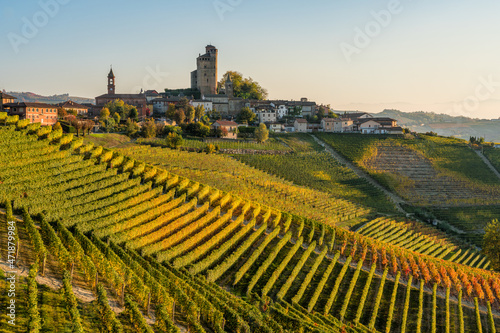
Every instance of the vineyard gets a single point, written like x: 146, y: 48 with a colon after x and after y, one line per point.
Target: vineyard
x: 159, y: 252
x: 270, y: 144
x: 319, y: 170
x: 230, y: 175
x: 426, y: 171
x: 493, y: 154
x: 423, y: 239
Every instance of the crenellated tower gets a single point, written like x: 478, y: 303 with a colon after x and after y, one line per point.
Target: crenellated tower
x: 205, y: 76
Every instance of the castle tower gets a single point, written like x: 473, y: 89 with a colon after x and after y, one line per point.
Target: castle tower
x: 229, y: 86
x: 205, y: 76
x: 111, y: 82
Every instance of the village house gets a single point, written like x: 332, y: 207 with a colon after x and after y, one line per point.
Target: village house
x: 276, y: 127
x: 225, y: 125
x: 266, y: 116
x: 46, y: 114
x: 343, y: 125
x: 5, y: 99
x: 300, y: 125
x: 70, y: 105
x: 378, y: 126
x: 327, y: 124
x: 207, y: 105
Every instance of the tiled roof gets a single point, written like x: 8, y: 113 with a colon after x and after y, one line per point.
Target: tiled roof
x: 7, y: 96
x: 226, y: 123
x: 72, y: 105
x: 31, y: 105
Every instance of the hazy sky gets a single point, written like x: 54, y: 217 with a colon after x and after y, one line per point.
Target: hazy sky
x: 351, y: 52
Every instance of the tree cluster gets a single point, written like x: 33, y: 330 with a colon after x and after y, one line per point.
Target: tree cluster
x: 244, y: 87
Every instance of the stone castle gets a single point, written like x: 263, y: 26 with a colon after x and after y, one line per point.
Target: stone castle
x: 204, y: 78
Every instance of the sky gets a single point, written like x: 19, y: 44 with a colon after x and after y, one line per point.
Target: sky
x: 441, y: 56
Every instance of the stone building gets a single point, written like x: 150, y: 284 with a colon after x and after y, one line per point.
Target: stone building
x: 137, y: 100
x: 46, y: 114
x: 204, y: 78
x: 70, y: 105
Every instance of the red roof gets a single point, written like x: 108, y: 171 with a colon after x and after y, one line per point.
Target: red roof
x: 226, y: 123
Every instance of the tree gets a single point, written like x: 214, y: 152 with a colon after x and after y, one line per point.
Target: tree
x: 133, y: 114
x: 332, y: 114
x: 132, y: 128
x: 179, y: 116
x: 109, y: 124
x: 171, y: 111
x: 491, y: 243
x: 190, y: 113
x: 246, y: 115
x: 183, y: 103
x: 57, y: 126
x: 73, y: 112
x: 61, y: 113
x: 174, y: 140
x: 104, y: 114
x: 117, y: 117
x: 87, y: 125
x: 149, y: 129
x: 199, y: 112
x: 244, y: 87
x: 262, y: 133
x: 214, y: 115
x: 321, y: 112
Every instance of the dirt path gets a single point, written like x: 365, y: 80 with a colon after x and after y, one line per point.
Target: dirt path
x: 488, y: 163
x: 397, y: 200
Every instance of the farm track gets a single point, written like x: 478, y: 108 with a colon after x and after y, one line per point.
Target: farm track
x: 396, y: 199
x: 488, y: 163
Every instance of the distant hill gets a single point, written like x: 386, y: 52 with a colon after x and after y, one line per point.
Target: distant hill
x: 446, y: 125
x: 54, y: 99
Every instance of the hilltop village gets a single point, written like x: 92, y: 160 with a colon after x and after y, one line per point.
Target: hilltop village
x: 211, y: 102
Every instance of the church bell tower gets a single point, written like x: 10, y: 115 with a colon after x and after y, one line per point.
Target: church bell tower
x: 111, y: 82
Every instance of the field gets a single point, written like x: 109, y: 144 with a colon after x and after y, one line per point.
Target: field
x: 270, y: 144
x: 311, y: 167
x: 230, y: 175
x: 163, y: 253
x: 442, y: 175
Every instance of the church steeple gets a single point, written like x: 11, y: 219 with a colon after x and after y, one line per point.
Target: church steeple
x: 229, y: 86
x: 111, y: 82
